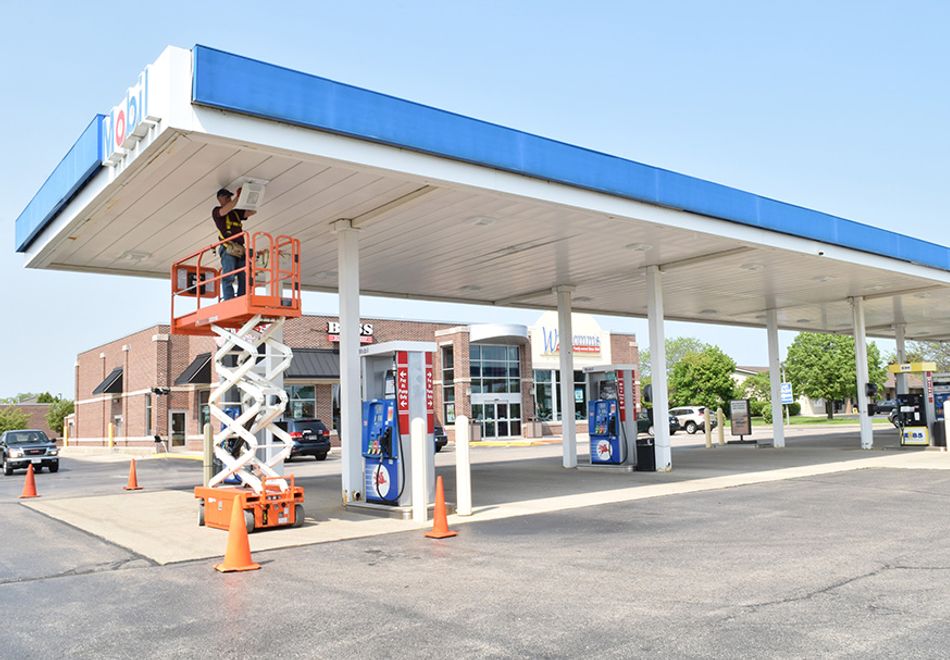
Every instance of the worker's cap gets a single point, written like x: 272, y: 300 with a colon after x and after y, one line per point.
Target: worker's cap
x: 224, y: 192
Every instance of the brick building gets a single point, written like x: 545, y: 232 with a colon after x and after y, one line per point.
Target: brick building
x: 503, y: 376
x: 37, y: 417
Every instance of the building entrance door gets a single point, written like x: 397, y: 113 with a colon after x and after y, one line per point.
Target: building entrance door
x: 498, y: 419
x: 176, y: 425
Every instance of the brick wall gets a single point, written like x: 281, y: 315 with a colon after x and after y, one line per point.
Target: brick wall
x: 37, y: 417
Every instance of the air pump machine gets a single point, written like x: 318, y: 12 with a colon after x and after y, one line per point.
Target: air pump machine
x: 611, y: 416
x: 397, y: 387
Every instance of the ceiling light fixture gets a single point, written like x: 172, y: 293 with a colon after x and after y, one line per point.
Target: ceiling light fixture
x: 639, y: 247
x: 470, y: 287
x: 802, y: 320
x: 480, y: 221
x: 709, y: 311
x: 822, y: 278
x: 752, y: 267
x: 583, y: 299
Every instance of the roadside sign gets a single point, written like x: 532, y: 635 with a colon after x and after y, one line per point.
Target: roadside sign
x: 787, y: 394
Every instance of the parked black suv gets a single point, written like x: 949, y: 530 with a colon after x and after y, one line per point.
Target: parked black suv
x: 311, y: 437
x: 20, y: 448
x: 440, y: 438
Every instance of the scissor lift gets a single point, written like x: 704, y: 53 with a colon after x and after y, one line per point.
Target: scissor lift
x: 250, y: 358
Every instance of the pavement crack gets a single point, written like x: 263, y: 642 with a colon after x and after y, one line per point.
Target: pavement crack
x: 78, y: 570
x: 753, y: 607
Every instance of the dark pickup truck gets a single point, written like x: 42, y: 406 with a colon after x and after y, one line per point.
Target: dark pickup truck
x: 23, y: 447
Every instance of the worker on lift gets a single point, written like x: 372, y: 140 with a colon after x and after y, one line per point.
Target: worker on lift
x: 233, y: 254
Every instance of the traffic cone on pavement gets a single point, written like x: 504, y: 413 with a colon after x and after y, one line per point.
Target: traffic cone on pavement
x: 29, y: 484
x: 440, y: 523
x: 133, y: 479
x: 237, y: 557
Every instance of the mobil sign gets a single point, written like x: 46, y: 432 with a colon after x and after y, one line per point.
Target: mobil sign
x: 128, y: 122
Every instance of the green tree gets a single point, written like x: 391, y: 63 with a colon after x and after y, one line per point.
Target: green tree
x: 758, y: 390
x: 46, y: 397
x: 821, y: 366
x: 12, y: 418
x: 928, y: 351
x: 57, y: 413
x: 703, y: 379
x: 676, y: 349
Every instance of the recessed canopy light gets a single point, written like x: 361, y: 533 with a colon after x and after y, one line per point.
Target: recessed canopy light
x: 135, y: 257
x: 760, y: 316
x: 480, y: 221
x: 639, y: 247
x: 709, y: 311
x: 326, y: 274
x: 874, y: 287
x: 823, y: 278
x: 752, y: 267
x: 583, y: 299
x: 802, y: 320
x: 470, y: 287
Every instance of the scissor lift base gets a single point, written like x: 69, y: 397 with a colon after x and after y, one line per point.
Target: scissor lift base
x: 273, y: 508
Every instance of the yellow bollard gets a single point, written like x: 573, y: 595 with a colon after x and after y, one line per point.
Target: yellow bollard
x: 111, y: 435
x: 65, y: 434
x: 721, y: 421
x: 707, y: 427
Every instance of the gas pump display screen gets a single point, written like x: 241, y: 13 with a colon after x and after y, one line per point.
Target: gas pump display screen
x: 390, y: 384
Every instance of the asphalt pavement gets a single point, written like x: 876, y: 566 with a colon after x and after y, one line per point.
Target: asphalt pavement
x: 838, y: 565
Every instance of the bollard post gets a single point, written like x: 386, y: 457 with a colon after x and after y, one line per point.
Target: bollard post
x: 65, y: 434
x: 207, y: 466
x: 946, y: 425
x: 707, y: 427
x: 463, y: 467
x: 721, y: 421
x: 111, y: 435
x: 420, y: 493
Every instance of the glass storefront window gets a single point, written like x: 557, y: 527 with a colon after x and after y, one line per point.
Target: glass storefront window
x: 495, y: 369
x: 448, y: 385
x: 301, y: 401
x: 547, y: 395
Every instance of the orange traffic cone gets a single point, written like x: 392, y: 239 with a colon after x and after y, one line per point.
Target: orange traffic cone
x: 440, y: 524
x: 133, y: 479
x: 29, y: 484
x: 237, y: 557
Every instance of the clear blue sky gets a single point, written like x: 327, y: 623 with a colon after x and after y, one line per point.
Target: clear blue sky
x: 840, y: 106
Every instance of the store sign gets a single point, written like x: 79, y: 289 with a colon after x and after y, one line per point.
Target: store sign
x: 366, y: 332
x: 127, y: 122
x: 589, y: 344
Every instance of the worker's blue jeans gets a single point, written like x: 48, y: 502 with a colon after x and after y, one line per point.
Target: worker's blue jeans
x: 228, y: 265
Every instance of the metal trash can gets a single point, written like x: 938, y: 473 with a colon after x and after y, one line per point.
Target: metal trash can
x: 939, y: 434
x: 646, y: 455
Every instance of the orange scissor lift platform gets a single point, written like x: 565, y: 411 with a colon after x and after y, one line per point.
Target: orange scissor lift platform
x: 241, y: 325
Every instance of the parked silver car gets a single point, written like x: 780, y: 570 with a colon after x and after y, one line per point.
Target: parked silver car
x: 692, y: 418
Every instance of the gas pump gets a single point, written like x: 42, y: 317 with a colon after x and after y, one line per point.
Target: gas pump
x: 397, y: 387
x: 611, y: 415
x: 916, y: 412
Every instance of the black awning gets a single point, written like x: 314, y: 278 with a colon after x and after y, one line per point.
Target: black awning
x: 111, y: 384
x: 198, y: 372
x: 314, y: 363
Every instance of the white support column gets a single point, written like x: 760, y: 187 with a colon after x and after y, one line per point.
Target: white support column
x: 661, y: 399
x: 901, y: 379
x: 463, y: 467
x: 861, y: 368
x: 348, y: 268
x: 775, y: 380
x: 565, y: 335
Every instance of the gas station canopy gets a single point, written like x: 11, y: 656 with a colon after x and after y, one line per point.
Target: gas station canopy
x: 455, y: 209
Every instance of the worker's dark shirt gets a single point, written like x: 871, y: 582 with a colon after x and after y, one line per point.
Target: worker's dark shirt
x: 230, y: 224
